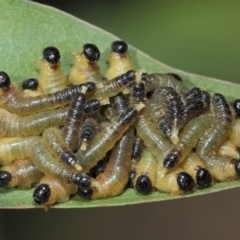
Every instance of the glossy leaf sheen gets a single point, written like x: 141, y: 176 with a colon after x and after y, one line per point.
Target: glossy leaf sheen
x: 26, y: 28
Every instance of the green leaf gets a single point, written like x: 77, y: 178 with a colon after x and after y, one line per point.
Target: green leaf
x: 26, y: 28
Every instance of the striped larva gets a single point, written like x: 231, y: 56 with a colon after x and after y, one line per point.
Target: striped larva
x: 22, y: 173
x: 74, y: 121
x: 30, y: 88
x: 146, y: 173
x: 106, y: 139
x: 51, y: 190
x: 12, y: 125
x: 50, y: 165
x: 223, y: 168
x: 87, y: 133
x: 156, y: 80
x: 154, y: 140
x: 119, y: 61
x: 12, y: 100
x: 188, y: 139
x: 114, y: 86
x: 138, y: 146
x: 53, y: 139
x: 12, y: 149
x: 194, y: 166
x: 51, y: 78
x: 113, y: 180
x: 166, y: 108
x: 85, y: 68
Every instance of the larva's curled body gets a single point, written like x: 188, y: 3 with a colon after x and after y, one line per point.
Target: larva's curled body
x: 156, y: 80
x: 51, y: 190
x: 51, y: 78
x: 194, y: 166
x: 12, y: 125
x: 222, y: 168
x: 12, y: 100
x: 119, y: 61
x: 12, y: 149
x: 106, y: 139
x: 85, y: 68
x: 113, y: 180
x: 22, y: 173
x: 114, y: 86
x: 53, y: 140
x: 154, y: 140
x: 166, y: 108
x: 229, y: 148
x: 188, y: 139
x: 74, y: 121
x: 146, y: 173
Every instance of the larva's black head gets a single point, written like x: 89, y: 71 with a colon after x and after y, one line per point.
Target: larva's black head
x: 126, y: 78
x: 81, y: 180
x: 185, y: 181
x: 203, y: 177
x: 92, y: 106
x: 51, y: 54
x: 144, y: 184
x: 91, y: 52
x: 4, y: 81
x: 138, y: 92
x: 90, y: 86
x: 85, y: 192
x: 171, y: 160
x: 41, y: 194
x: 119, y: 47
x: 68, y: 157
x: 31, y: 83
x: 237, y: 167
x: 236, y: 105
x: 132, y: 175
x: 5, y: 178
x: 175, y: 76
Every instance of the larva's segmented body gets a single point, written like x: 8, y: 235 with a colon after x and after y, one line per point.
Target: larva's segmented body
x: 85, y: 68
x: 221, y: 167
x: 119, y: 61
x: 22, y: 173
x: 52, y: 138
x: 188, y: 139
x: 146, y: 173
x: 113, y: 180
x: 156, y: 80
x: 12, y: 100
x: 12, y: 125
x: 106, y: 139
x: 138, y: 146
x: 74, y: 121
x: 51, y: 78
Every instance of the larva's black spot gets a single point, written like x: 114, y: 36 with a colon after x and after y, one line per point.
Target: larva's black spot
x: 144, y: 184
x: 171, y: 160
x: 31, y: 83
x: 236, y: 105
x: 4, y: 81
x: 203, y: 177
x: 90, y: 86
x: 5, y: 178
x: 91, y: 52
x: 41, y: 194
x: 176, y: 76
x: 237, y: 167
x: 85, y: 192
x: 51, y: 54
x: 185, y: 182
x: 119, y: 47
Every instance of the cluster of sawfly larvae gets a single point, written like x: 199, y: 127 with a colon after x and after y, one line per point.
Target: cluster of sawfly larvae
x: 96, y: 136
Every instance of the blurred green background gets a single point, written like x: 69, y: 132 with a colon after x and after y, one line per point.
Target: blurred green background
x: 196, y: 36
